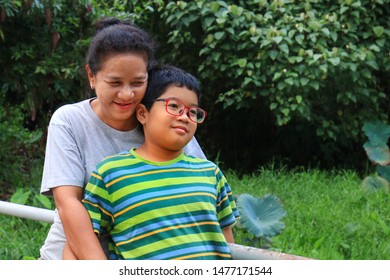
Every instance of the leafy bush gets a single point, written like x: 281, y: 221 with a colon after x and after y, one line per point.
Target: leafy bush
x: 312, y: 65
x: 45, y: 70
x: 18, y: 148
x: 296, y: 78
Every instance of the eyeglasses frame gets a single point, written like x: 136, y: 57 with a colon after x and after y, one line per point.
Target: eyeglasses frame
x: 166, y: 100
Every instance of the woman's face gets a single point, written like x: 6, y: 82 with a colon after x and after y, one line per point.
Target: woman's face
x: 120, y: 86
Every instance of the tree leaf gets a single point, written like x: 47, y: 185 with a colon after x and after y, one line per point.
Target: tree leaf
x: 284, y: 48
x: 219, y: 35
x: 378, y: 30
x: 242, y: 62
x: 334, y: 60
x: 304, y: 81
x: 277, y: 39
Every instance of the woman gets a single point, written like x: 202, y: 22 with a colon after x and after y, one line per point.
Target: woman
x: 82, y: 134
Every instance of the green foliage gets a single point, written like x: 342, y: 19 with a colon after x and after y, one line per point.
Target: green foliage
x: 329, y: 217
x: 378, y: 152
x: 259, y: 219
x: 43, y: 70
x: 307, y: 58
x: 18, y: 147
x: 25, y: 197
x: 313, y: 65
x: 276, y: 74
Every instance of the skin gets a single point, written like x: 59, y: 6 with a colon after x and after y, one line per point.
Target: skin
x: 120, y: 86
x: 166, y: 135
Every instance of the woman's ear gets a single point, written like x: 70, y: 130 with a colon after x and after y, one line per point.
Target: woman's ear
x: 141, y: 113
x: 91, y: 76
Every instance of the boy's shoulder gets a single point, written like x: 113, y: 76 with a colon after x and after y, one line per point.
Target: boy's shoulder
x: 198, y: 160
x: 115, y: 160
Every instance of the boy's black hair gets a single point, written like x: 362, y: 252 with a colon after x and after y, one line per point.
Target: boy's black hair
x: 161, y: 77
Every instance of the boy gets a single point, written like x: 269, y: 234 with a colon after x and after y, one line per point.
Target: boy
x: 155, y: 201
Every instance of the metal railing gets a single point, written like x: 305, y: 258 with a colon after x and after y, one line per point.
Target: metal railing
x: 239, y: 252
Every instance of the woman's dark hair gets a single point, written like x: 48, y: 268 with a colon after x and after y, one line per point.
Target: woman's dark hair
x: 114, y: 36
x: 161, y: 77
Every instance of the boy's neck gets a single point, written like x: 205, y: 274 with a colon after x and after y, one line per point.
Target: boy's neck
x: 157, y: 154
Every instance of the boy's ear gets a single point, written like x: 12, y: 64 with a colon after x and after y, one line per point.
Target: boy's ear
x: 141, y: 113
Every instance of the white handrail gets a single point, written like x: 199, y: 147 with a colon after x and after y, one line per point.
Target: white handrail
x: 27, y: 212
x: 239, y: 252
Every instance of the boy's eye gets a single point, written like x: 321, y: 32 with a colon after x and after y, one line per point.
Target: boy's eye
x: 194, y: 112
x: 173, y: 105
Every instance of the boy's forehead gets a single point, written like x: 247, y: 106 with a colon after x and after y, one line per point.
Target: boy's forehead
x: 180, y: 92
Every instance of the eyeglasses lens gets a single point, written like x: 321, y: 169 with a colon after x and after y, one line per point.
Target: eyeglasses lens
x: 176, y: 108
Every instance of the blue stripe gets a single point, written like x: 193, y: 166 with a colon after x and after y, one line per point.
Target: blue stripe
x: 190, y: 250
x: 133, y: 200
x: 147, y: 168
x: 166, y: 223
x: 92, y: 199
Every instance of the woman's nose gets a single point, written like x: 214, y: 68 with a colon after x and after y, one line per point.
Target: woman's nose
x: 127, y: 92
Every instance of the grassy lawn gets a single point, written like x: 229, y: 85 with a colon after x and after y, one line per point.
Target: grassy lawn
x: 329, y: 217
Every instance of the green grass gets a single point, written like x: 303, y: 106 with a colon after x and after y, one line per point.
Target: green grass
x: 329, y: 217
x: 21, y: 238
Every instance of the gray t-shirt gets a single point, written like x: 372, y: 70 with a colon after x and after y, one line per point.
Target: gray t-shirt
x: 77, y: 141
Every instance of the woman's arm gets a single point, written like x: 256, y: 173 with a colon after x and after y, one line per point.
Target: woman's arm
x: 79, y: 233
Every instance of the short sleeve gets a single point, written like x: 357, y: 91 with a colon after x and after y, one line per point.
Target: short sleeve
x: 96, y: 201
x: 63, y: 159
x: 227, y: 212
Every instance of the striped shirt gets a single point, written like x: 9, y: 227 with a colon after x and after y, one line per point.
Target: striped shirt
x: 161, y: 210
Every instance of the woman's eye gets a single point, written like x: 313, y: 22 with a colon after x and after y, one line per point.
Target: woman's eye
x: 138, y: 84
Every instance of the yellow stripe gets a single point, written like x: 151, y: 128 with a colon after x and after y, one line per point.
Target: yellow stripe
x: 152, y: 172
x: 96, y: 176
x: 225, y: 198
x: 172, y: 241
x: 164, y: 230
x: 204, y: 254
x: 161, y: 199
x: 101, y: 209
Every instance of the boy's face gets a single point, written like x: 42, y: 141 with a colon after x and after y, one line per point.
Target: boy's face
x: 164, y: 130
